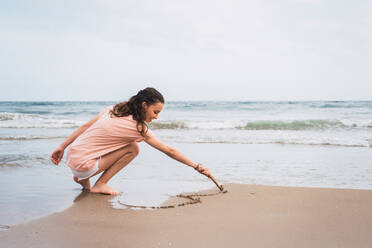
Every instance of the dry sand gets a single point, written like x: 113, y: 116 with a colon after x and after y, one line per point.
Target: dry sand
x: 247, y: 216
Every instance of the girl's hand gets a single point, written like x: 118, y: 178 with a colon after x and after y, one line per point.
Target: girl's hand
x: 57, y: 155
x: 203, y: 170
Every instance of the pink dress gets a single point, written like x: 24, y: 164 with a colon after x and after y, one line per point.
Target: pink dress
x: 106, y: 135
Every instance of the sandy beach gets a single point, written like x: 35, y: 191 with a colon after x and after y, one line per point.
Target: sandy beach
x: 246, y: 216
x: 273, y: 97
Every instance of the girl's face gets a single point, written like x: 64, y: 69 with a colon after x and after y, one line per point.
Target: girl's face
x: 152, y: 111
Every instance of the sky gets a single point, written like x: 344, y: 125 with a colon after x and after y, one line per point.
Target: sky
x: 244, y: 50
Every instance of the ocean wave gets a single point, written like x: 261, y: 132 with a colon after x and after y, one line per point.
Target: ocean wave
x: 30, y: 104
x: 342, y: 104
x: 56, y: 125
x: 293, y: 125
x: 168, y: 125
x: 30, y: 137
x: 6, y: 116
x: 22, y: 120
x: 258, y: 125
x: 11, y: 165
x: 328, y: 105
x: 281, y: 142
x: 20, y: 160
x: 47, y: 125
x: 12, y: 158
x: 319, y: 144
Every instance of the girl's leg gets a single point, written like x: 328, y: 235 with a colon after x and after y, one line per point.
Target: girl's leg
x: 85, y: 182
x: 111, y: 164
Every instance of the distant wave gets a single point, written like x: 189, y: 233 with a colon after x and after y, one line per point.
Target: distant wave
x: 11, y: 165
x: 256, y: 125
x: 340, y: 104
x: 13, y: 160
x: 293, y: 125
x: 21, y: 120
x: 40, y: 126
x: 19, y: 160
x: 328, y: 105
x: 281, y: 143
x: 6, y: 116
x: 320, y: 144
x: 30, y: 137
x: 31, y: 125
x: 208, y: 121
x: 168, y: 125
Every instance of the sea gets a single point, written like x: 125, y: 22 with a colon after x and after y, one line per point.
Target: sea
x: 326, y: 144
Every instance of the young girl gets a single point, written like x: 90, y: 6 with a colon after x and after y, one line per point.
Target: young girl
x: 108, y: 142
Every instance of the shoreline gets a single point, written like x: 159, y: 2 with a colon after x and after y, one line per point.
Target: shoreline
x: 39, y: 190
x: 254, y: 215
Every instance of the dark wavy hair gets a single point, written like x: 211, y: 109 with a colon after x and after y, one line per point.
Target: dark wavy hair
x: 134, y: 107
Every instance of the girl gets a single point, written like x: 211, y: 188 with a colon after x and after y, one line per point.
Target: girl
x: 108, y: 142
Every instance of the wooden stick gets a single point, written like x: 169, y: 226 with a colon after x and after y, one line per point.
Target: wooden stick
x: 211, y: 177
x: 214, y: 180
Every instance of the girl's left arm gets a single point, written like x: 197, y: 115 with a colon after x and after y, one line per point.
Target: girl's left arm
x: 57, y: 154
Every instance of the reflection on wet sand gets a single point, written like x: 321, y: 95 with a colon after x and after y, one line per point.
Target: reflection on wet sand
x: 84, y: 193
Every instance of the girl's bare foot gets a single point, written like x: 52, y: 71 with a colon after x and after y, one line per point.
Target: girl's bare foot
x: 85, y: 182
x: 103, y: 189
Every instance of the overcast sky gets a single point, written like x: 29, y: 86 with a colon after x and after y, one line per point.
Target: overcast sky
x: 188, y: 50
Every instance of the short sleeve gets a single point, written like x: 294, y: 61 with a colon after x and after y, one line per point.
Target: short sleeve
x: 109, y: 108
x: 149, y: 133
x: 106, y: 110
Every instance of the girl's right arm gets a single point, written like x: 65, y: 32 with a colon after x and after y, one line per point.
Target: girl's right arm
x: 175, y: 154
x: 57, y: 154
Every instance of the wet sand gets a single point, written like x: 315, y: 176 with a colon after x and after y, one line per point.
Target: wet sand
x: 247, y: 216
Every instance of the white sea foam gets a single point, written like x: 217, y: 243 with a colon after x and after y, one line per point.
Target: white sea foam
x: 21, y: 120
x: 308, y: 123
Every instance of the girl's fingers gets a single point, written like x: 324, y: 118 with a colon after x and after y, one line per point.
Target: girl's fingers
x: 204, y: 170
